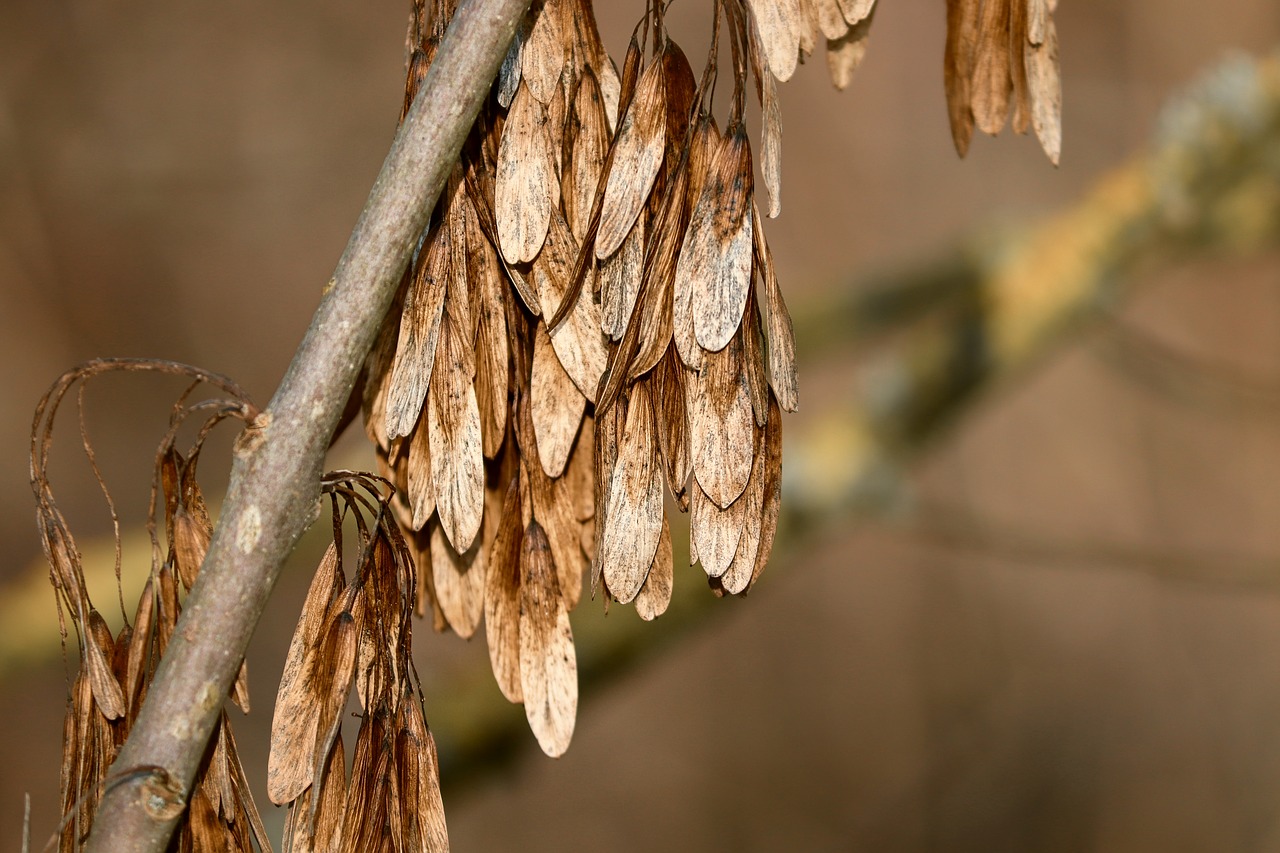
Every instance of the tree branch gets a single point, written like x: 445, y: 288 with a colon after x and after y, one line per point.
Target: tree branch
x: 275, y: 479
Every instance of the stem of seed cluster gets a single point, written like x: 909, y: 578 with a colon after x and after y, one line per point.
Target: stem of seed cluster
x: 275, y: 480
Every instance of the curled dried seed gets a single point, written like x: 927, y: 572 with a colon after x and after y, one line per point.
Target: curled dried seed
x: 772, y: 494
x: 1044, y: 83
x: 548, y: 662
x: 1018, y: 46
x: 992, y: 82
x: 459, y: 582
x: 714, y: 533
x: 457, y: 460
x: 721, y: 426
x: 781, y: 334
x: 557, y: 405
x: 778, y: 23
x: 422, y: 493
x: 715, y: 263
x: 673, y: 423
x: 333, y: 670
x: 139, y: 660
x: 422, y: 808
x: 97, y: 652
x: 190, y: 543
x: 771, y: 142
x: 738, y: 575
x: 846, y: 53
x: 962, y: 39
x: 637, y: 157
x: 293, y: 724
x: 527, y: 188
x: 633, y: 515
x: 587, y: 149
x: 705, y: 144
x: 653, y: 598
x: 502, y: 599
x: 419, y: 336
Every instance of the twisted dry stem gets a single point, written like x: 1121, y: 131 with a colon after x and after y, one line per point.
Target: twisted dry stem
x: 275, y: 481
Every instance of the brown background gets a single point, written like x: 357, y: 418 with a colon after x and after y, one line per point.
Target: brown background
x: 177, y: 180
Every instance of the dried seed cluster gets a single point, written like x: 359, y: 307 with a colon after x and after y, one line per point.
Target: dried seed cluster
x: 591, y: 328
x: 356, y: 632
x: 115, y: 671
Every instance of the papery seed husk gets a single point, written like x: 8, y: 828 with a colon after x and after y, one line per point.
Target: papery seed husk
x: 333, y: 672
x: 715, y: 532
x: 781, y: 333
x: 553, y: 508
x: 830, y: 20
x: 654, y: 597
x: 425, y: 809
x: 480, y: 188
x: 548, y: 662
x: 458, y: 291
x: 1018, y: 46
x: 139, y: 660
x: 846, y: 53
x: 422, y: 492
x: 991, y: 74
x: 619, y: 279
x: 753, y: 367
x: 962, y: 39
x: 702, y: 151
x: 557, y: 405
x: 190, y: 544
x: 1044, y: 83
x: 638, y: 153
x: 578, y: 341
x: 543, y: 55
x: 107, y: 694
x: 502, y: 598
x: 527, y: 188
x: 457, y: 459
x: 491, y: 339
x: 608, y: 425
x: 633, y: 516
x: 328, y: 813
x: 681, y: 97
x: 856, y: 10
x: 509, y: 73
x: 459, y: 582
x: 715, y: 261
x: 778, y: 23
x: 771, y: 505
x: 808, y: 29
x: 1038, y: 18
x: 293, y: 723
x: 673, y: 423
x: 587, y: 151
x: 737, y: 577
x: 721, y: 426
x: 240, y: 688
x: 419, y: 337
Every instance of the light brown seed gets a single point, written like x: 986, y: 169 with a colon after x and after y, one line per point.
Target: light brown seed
x: 421, y: 807
x: 578, y: 340
x: 673, y: 423
x: 457, y: 460
x: 527, y: 188
x: 715, y: 262
x: 655, y: 595
x: 856, y: 10
x: 638, y: 154
x: 548, y: 662
x: 107, y: 694
x: 702, y: 150
x: 502, y: 599
x: 771, y: 140
x: 781, y: 333
x: 721, y: 426
x: 588, y: 146
x: 543, y: 53
x: 619, y: 278
x: 737, y: 577
x: 829, y: 18
x: 992, y: 82
x: 557, y: 405
x: 779, y: 23
x: 419, y: 337
x: 422, y: 493
x: 714, y: 533
x: 633, y: 516
x: 190, y: 543
x: 459, y: 582
x: 509, y: 73
x: 293, y: 723
x: 332, y: 673
x: 962, y: 39
x: 1044, y: 83
x: 846, y: 53
x: 772, y: 498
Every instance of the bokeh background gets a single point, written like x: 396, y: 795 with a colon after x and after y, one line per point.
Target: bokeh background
x: 1042, y: 615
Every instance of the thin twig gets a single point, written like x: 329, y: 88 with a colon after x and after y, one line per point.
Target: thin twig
x: 275, y: 482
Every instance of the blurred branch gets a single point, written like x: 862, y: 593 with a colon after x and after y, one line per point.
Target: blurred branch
x: 275, y: 480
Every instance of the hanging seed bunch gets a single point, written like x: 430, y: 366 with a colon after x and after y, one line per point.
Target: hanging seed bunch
x: 115, y: 671
x: 356, y: 631
x: 1002, y: 58
x: 592, y: 329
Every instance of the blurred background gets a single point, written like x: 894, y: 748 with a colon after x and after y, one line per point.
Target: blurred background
x: 1027, y: 592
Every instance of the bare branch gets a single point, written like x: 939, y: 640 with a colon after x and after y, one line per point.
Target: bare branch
x: 275, y: 483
